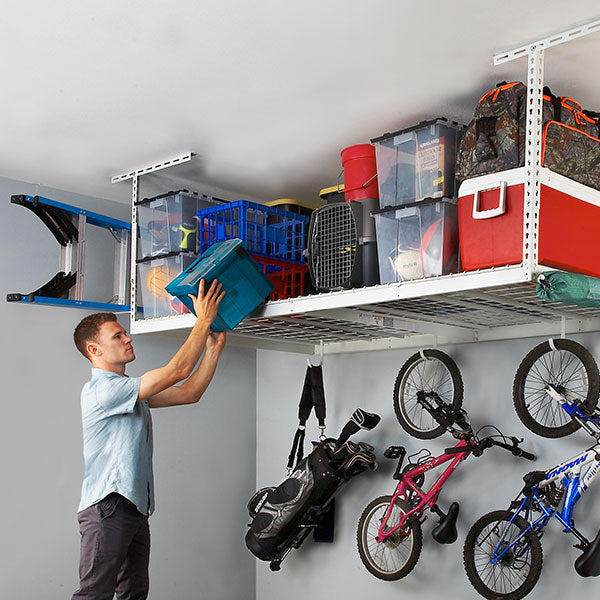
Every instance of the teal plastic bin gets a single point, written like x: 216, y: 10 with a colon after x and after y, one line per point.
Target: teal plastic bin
x: 228, y: 262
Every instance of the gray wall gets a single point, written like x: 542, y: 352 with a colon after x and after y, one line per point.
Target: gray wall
x: 321, y: 571
x: 205, y: 460
x: 204, y: 454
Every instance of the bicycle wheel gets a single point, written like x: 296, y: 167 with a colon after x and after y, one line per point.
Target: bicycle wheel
x: 517, y: 572
x: 570, y: 368
x: 427, y: 371
x: 397, y: 556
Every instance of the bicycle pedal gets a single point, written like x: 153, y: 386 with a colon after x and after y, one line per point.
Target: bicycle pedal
x: 394, y: 452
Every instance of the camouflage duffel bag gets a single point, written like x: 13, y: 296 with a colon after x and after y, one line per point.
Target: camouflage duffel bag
x: 572, y: 153
x: 571, y: 144
x: 495, y: 138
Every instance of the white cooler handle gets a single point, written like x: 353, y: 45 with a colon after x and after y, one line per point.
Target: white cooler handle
x: 492, y: 212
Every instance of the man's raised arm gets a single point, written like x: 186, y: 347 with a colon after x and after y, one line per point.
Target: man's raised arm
x: 183, y: 362
x: 193, y: 388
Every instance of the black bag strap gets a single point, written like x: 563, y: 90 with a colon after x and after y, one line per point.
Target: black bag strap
x: 556, y: 103
x: 297, y: 448
x: 592, y: 114
x: 313, y: 395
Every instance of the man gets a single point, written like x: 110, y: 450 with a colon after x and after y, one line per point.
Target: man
x: 118, y: 489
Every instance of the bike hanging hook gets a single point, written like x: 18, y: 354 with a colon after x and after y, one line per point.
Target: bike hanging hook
x: 317, y: 358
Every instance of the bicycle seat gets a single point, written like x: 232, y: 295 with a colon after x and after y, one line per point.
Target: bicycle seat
x: 588, y: 564
x: 531, y: 479
x: 445, y: 531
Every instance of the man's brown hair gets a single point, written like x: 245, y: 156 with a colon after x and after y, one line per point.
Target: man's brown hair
x: 88, y: 330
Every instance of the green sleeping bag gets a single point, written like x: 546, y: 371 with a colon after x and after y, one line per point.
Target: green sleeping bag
x: 570, y: 288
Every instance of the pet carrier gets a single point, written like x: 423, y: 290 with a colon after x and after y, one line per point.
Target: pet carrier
x: 342, y: 251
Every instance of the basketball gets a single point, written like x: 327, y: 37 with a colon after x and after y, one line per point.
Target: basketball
x: 156, y: 281
x: 439, y: 248
x: 406, y: 263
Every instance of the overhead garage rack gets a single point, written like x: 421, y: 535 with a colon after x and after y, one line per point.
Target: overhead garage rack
x: 491, y: 304
x: 464, y: 314
x: 467, y: 307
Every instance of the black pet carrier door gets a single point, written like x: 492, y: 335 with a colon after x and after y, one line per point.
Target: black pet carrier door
x: 338, y: 252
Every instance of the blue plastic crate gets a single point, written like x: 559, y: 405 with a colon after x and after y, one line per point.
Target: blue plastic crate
x: 228, y: 262
x: 263, y: 229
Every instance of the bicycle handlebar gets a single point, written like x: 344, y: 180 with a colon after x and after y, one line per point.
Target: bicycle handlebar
x: 526, y: 455
x: 458, y: 449
x: 515, y: 448
x: 478, y: 448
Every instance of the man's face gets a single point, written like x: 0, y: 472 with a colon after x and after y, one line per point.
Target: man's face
x: 113, y: 345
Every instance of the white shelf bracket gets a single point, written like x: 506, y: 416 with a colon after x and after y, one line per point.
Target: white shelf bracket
x: 548, y: 42
x: 165, y: 164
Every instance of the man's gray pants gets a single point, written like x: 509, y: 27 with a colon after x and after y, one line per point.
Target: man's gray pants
x: 115, y: 551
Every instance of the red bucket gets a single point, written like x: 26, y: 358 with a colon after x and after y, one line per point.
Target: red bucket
x: 360, y: 172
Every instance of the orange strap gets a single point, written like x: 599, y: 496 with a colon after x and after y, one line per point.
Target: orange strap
x: 565, y: 101
x: 497, y: 90
x: 576, y: 109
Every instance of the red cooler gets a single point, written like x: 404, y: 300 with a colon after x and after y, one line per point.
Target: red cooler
x: 490, y: 222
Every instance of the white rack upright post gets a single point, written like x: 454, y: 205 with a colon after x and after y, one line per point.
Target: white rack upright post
x: 134, y: 176
x: 533, y: 156
x: 533, y: 139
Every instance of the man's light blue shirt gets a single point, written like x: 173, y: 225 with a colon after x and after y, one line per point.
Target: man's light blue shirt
x: 117, y: 441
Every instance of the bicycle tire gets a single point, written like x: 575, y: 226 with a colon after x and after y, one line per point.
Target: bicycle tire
x: 430, y: 371
x: 570, y: 366
x: 374, y: 555
x: 494, y: 581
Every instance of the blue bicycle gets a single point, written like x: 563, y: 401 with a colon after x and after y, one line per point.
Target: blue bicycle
x: 502, y: 552
x: 567, y: 367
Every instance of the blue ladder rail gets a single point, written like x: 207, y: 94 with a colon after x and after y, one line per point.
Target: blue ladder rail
x: 58, y: 217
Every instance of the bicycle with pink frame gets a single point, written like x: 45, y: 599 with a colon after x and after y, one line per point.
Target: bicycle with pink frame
x: 389, y: 535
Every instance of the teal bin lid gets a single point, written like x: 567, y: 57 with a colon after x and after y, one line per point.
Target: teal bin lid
x: 246, y: 286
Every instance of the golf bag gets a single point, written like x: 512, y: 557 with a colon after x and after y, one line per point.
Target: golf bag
x: 283, y: 516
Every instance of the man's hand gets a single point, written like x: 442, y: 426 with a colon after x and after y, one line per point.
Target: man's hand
x: 215, y: 342
x: 206, y: 304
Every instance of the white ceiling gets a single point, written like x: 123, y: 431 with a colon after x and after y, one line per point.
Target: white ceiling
x: 266, y: 93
